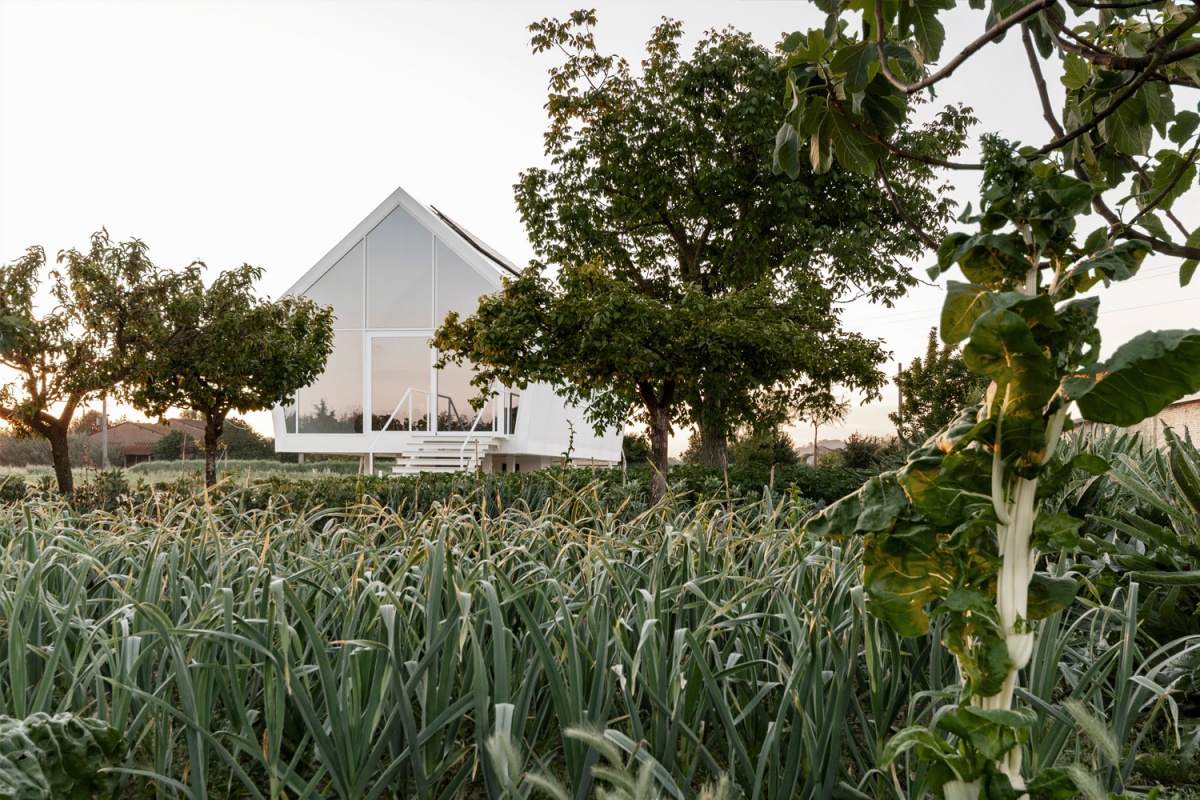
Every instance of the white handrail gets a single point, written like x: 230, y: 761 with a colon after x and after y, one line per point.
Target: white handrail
x: 462, y: 450
x: 406, y: 396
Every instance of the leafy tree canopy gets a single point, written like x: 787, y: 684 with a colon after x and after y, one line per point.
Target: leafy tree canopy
x: 693, y: 284
x: 232, y: 351
x: 103, y: 321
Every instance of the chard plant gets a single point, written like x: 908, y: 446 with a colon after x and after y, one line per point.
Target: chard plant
x: 956, y: 532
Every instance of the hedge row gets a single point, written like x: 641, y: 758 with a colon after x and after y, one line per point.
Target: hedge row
x: 617, y: 490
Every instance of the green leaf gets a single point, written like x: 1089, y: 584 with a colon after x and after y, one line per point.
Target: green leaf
x: 965, y: 303
x: 948, y: 493
x: 1188, y: 268
x: 874, y: 507
x: 1003, y: 348
x: 1184, y: 125
x: 1048, y: 594
x: 1057, y: 531
x: 787, y: 150
x: 1128, y: 129
x: 853, y: 150
x: 1066, y: 195
x: 976, y: 602
x: 1076, y: 73
x: 1171, y: 179
x: 928, y: 746
x: 921, y: 17
x: 900, y: 585
x: 992, y: 732
x: 1118, y: 263
x: 792, y: 41
x: 58, y: 757
x: 1052, y: 783
x: 1144, y: 376
x: 1055, y: 481
x: 1181, y: 578
x: 808, y: 48
x: 854, y: 64
x: 992, y: 258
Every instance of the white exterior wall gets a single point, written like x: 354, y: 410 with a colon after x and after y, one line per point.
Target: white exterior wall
x: 546, y: 430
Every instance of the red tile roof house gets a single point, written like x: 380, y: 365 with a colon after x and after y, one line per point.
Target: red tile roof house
x: 136, y: 440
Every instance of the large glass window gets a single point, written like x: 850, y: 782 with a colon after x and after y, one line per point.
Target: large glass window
x: 342, y: 288
x: 459, y: 286
x: 334, y: 402
x: 400, y: 368
x: 455, y: 393
x: 400, y: 273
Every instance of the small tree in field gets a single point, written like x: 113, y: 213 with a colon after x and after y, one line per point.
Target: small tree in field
x: 105, y: 318
x: 232, y: 351
x: 933, y: 390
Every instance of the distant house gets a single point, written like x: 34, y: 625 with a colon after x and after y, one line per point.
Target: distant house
x: 391, y: 282
x: 824, y: 446
x: 136, y: 440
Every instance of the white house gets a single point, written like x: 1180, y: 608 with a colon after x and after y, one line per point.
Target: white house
x: 391, y: 282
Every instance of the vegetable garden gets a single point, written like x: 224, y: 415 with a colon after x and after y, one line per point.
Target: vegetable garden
x: 236, y: 649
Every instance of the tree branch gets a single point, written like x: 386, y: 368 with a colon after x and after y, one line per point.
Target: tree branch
x: 1191, y: 157
x: 1040, y: 81
x: 1095, y: 55
x: 893, y: 149
x: 1096, y: 119
x: 881, y: 173
x: 988, y: 36
x: 1122, y: 229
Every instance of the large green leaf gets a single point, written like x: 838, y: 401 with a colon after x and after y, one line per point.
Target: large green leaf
x: 1002, y: 347
x: 992, y: 732
x: 854, y: 64
x: 1049, y: 594
x: 874, y: 507
x: 945, y: 496
x: 900, y: 585
x: 1144, y: 376
x: 921, y: 18
x: 787, y: 150
x: 965, y: 303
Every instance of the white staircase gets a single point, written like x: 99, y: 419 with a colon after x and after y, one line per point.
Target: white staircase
x: 445, y: 453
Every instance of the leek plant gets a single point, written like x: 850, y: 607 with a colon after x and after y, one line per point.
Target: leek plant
x: 359, y: 654
x: 955, y: 533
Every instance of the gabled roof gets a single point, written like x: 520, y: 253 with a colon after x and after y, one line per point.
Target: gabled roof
x: 471, y: 249
x: 479, y: 244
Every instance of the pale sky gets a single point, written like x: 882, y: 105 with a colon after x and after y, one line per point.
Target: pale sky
x: 262, y: 131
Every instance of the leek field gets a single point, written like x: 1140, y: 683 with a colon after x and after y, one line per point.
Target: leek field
x: 568, y: 643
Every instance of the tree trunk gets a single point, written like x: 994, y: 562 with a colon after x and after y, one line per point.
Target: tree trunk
x: 714, y: 441
x: 660, y: 431
x: 214, y: 426
x: 61, y: 457
x: 658, y: 409
x: 714, y: 447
